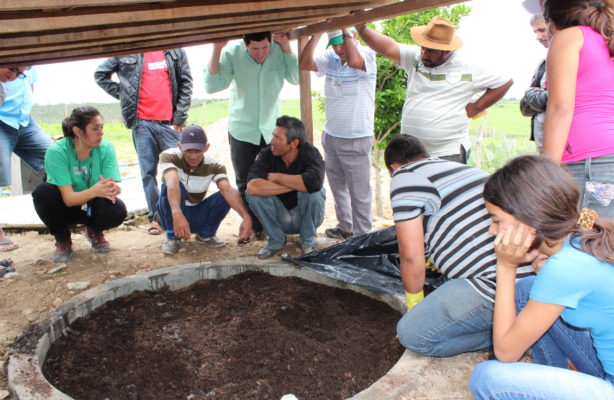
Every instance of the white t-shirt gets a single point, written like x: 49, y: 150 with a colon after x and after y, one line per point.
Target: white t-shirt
x: 434, y: 109
x: 350, y: 94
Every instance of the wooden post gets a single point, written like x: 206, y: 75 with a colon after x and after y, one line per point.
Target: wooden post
x: 305, y: 85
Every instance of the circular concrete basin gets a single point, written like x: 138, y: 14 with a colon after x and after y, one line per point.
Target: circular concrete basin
x: 28, y: 353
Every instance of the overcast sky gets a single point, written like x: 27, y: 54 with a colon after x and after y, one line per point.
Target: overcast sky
x: 497, y: 34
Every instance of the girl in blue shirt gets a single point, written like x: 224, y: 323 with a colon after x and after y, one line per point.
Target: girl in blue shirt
x: 566, y: 311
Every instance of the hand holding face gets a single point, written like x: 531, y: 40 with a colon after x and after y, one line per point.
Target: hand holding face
x: 512, y: 245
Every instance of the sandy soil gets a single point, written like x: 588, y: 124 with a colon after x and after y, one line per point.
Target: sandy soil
x: 35, y: 289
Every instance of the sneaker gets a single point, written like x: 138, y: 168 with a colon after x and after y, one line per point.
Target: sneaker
x: 6, y: 262
x: 267, y: 252
x: 337, y: 233
x: 99, y: 243
x: 63, y: 251
x: 212, y: 241
x: 170, y: 247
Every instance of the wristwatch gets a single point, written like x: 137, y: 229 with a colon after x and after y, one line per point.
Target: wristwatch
x: 348, y: 35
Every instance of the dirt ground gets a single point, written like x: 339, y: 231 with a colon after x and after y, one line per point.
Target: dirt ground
x: 35, y: 288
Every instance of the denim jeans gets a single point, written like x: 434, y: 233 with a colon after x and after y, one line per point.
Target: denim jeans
x: 562, y: 342
x: 204, y: 218
x: 150, y: 139
x: 453, y: 319
x: 548, y: 377
x: 495, y: 380
x: 278, y: 221
x: 29, y: 142
x: 598, y: 170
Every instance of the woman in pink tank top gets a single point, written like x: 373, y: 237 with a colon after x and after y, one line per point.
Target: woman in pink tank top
x: 579, y: 124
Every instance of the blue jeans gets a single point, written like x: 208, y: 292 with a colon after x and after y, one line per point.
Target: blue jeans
x: 29, y: 142
x: 495, y: 380
x: 549, y: 377
x: 204, y: 218
x: 453, y: 319
x: 562, y: 342
x: 150, y: 139
x: 597, y: 170
x: 278, y: 221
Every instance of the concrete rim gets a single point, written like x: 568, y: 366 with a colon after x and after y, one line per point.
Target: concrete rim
x: 28, y: 353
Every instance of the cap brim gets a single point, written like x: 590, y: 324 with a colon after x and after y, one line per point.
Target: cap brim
x: 416, y: 34
x: 193, y: 146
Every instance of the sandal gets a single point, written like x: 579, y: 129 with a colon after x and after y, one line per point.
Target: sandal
x: 154, y: 229
x: 7, y: 262
x: 6, y: 270
x: 7, y: 244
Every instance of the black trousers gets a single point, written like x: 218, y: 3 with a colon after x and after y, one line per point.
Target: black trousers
x: 243, y: 155
x: 57, y: 216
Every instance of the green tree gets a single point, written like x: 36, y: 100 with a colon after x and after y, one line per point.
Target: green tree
x: 392, y: 82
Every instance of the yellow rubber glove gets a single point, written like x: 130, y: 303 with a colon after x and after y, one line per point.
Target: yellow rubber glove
x: 411, y: 299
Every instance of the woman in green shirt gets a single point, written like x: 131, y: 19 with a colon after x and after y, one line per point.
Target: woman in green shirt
x: 81, y: 187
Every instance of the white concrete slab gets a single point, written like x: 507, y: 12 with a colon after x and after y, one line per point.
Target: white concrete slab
x: 18, y: 211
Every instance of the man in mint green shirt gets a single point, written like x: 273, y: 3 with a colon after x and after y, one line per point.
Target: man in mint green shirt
x: 256, y: 68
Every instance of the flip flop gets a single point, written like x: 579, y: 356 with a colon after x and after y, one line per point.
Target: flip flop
x: 7, y: 244
x: 154, y: 230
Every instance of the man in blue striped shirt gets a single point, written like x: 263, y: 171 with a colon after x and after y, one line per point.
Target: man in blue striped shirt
x: 439, y: 214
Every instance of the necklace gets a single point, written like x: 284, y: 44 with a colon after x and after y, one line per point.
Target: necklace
x: 82, y: 170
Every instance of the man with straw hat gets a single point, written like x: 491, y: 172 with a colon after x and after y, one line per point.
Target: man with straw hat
x: 440, y: 85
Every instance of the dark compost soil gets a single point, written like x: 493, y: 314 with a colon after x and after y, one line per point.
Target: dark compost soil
x: 251, y: 336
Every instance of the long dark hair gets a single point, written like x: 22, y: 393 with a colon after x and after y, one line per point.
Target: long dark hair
x: 541, y: 194
x: 598, y: 14
x: 80, y: 117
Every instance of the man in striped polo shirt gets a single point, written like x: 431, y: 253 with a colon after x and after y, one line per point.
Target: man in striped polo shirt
x: 347, y: 138
x: 439, y: 214
x: 183, y: 208
x: 440, y: 85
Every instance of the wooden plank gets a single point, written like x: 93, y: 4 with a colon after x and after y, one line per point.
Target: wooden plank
x: 124, y: 48
x: 305, y: 94
x: 229, y: 31
x: 375, y: 14
x: 25, y: 40
x: 20, y: 5
x: 65, y: 21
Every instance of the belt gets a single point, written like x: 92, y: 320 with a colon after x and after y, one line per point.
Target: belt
x: 156, y: 121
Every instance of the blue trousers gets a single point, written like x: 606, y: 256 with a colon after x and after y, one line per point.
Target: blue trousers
x: 29, y: 142
x: 278, y: 221
x: 548, y: 377
x: 204, y: 218
x: 150, y: 139
x: 453, y: 319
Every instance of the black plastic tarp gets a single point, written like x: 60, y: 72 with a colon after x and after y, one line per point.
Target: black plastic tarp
x: 370, y: 261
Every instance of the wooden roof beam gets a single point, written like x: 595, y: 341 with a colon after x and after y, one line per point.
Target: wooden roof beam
x: 375, y: 14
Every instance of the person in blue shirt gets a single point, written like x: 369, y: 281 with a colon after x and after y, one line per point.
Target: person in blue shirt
x: 565, y: 312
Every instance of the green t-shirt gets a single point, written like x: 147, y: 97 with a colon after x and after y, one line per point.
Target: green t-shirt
x: 63, y: 168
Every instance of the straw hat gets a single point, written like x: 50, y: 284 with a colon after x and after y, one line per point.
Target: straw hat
x: 438, y: 34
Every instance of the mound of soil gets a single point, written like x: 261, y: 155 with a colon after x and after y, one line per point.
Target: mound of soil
x: 251, y: 336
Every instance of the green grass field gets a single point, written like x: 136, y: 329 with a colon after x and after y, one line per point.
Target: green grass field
x: 505, y: 133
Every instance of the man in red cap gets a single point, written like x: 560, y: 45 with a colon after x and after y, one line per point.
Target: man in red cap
x: 183, y: 208
x: 440, y: 85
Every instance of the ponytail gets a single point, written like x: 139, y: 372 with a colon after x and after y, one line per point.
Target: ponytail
x: 80, y: 117
x: 598, y: 241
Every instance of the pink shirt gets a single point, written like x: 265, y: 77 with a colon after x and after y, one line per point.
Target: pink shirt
x: 155, y: 101
x: 592, y: 129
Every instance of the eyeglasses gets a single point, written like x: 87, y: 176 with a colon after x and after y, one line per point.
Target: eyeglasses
x: 20, y: 73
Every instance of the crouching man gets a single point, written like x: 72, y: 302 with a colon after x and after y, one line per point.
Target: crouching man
x: 439, y: 212
x: 284, y: 187
x: 183, y: 208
